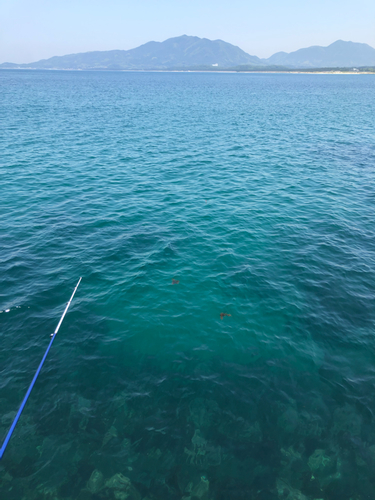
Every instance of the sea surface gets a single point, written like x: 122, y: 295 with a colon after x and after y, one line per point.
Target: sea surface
x: 221, y: 343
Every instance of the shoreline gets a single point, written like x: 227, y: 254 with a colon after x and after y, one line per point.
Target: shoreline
x: 296, y: 72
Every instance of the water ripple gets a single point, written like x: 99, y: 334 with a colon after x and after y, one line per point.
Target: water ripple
x: 255, y: 371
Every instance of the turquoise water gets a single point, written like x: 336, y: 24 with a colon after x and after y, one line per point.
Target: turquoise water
x: 256, y: 192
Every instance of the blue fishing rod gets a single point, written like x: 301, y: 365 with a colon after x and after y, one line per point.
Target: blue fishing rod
x: 16, y: 418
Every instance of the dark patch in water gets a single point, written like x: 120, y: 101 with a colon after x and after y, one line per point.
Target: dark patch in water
x: 224, y: 314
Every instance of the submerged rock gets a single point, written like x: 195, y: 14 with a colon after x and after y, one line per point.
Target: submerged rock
x: 7, y: 477
x: 83, y: 405
x: 200, y: 490
x: 286, y: 492
x: 294, y: 469
x: 203, y: 454
x: 198, y: 440
x: 80, y: 413
x: 300, y: 422
x: 203, y: 412
x: 125, y: 416
x: 118, y: 482
x: 84, y: 495
x: 213, y: 456
x: 370, y: 455
x: 288, y: 421
x: 252, y: 432
x: 289, y: 455
x: 47, y: 492
x: 346, y: 419
x: 110, y: 434
x: 321, y: 463
x: 126, y: 445
x: 96, y: 481
x: 311, y: 425
x: 122, y: 488
x: 232, y: 426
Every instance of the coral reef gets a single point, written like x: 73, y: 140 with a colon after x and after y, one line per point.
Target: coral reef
x: 273, y: 450
x: 96, y: 482
x: 203, y: 454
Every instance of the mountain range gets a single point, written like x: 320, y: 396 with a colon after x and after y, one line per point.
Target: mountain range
x: 191, y: 52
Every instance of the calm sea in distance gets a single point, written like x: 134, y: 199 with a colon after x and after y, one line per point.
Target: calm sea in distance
x: 221, y: 343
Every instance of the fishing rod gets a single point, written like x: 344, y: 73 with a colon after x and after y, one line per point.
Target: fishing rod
x: 16, y: 418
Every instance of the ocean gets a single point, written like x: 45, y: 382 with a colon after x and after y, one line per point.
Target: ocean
x: 221, y: 343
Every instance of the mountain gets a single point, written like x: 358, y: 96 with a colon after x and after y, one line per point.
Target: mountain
x: 191, y: 52
x: 339, y: 54
x: 180, y: 52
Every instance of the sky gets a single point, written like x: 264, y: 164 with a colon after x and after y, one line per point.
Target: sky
x: 31, y: 30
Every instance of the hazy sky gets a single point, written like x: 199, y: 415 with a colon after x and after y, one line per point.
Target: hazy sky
x: 34, y: 29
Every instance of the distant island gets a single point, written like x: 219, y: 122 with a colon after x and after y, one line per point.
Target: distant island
x: 190, y: 53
